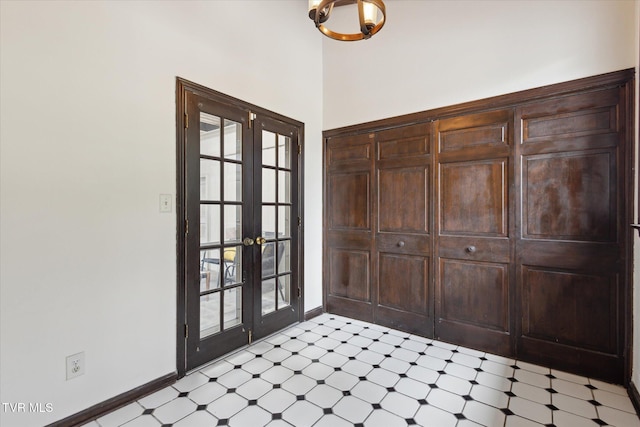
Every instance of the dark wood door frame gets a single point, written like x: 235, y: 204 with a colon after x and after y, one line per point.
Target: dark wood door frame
x: 183, y: 87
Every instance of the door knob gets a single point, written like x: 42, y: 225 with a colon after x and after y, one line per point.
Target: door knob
x: 248, y: 241
x: 260, y: 240
x: 471, y: 249
x: 400, y: 244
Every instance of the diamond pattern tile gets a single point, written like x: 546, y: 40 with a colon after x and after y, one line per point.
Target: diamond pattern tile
x: 332, y: 371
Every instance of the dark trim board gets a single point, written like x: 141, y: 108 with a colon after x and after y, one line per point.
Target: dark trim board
x: 634, y: 396
x: 116, y: 402
x: 314, y: 312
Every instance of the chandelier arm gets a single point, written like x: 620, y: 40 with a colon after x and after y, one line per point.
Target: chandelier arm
x: 324, y: 4
x: 365, y: 31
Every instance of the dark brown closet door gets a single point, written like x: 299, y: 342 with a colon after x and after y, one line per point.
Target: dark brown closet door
x: 571, y: 256
x: 348, y: 223
x: 474, y: 231
x: 404, y: 297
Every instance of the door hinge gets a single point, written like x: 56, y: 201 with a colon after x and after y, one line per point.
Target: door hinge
x: 252, y: 117
x: 250, y: 336
x: 299, y: 148
x: 298, y: 292
x: 186, y: 331
x: 186, y: 226
x: 299, y: 221
x: 186, y: 121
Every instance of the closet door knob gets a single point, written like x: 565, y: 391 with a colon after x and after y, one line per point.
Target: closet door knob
x: 400, y: 244
x: 471, y: 249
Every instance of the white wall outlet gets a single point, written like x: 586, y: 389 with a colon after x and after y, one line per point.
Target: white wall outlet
x: 165, y: 203
x: 75, y: 365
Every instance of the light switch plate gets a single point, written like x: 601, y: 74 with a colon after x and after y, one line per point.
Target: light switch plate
x: 165, y: 203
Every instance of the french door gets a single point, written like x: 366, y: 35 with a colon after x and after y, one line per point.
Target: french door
x: 241, y: 233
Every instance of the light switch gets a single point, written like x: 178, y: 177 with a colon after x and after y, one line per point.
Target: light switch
x: 165, y: 203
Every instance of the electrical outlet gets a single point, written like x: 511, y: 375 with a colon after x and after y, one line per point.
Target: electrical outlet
x: 75, y: 365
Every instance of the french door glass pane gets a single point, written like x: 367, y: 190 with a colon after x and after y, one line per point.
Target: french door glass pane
x: 232, y: 265
x: 209, y: 180
x: 268, y: 148
x: 268, y: 185
x: 268, y: 296
x: 232, y: 307
x: 209, y: 269
x: 284, y: 291
x: 209, y: 314
x: 268, y: 259
x: 284, y: 221
x: 209, y: 224
x: 209, y: 135
x: 232, y: 223
x: 284, y: 256
x: 268, y: 222
x: 232, y: 140
x: 284, y: 187
x: 232, y: 182
x: 284, y: 152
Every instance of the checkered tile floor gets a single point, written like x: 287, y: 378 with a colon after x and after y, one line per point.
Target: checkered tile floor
x: 333, y: 371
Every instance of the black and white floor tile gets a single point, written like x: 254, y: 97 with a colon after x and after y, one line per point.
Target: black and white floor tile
x: 333, y: 371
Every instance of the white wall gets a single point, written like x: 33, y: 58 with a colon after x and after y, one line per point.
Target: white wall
x: 437, y: 53
x: 87, y: 145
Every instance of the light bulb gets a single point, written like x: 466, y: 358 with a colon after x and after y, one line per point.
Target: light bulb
x: 370, y: 12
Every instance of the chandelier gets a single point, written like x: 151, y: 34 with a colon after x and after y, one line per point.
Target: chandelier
x: 371, y: 14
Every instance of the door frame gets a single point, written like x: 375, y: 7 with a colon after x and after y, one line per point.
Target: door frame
x: 184, y: 86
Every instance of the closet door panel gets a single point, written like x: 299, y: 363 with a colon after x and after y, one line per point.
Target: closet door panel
x: 570, y: 252
x: 474, y: 236
x: 403, y: 241
x: 571, y: 308
x: 348, y: 221
x: 559, y: 196
x: 473, y: 198
x: 349, y: 201
x: 403, y: 200
x: 349, y: 274
x: 483, y: 304
x: 410, y: 294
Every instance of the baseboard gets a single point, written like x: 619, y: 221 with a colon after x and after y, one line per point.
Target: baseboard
x: 634, y: 396
x: 314, y: 312
x: 116, y: 402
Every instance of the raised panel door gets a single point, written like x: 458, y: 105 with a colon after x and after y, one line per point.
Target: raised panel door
x: 473, y: 278
x: 570, y: 247
x: 403, y: 284
x: 348, y: 189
